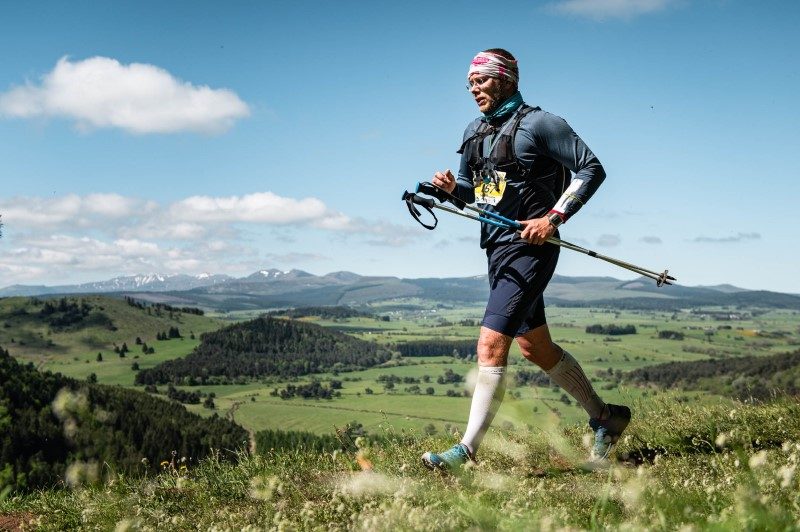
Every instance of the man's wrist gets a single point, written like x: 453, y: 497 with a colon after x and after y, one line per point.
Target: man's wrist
x: 555, y: 218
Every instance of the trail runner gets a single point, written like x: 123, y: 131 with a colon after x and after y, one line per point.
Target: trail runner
x: 516, y: 161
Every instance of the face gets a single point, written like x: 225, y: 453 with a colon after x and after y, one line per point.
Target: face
x: 488, y: 92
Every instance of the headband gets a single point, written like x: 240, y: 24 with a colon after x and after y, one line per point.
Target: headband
x: 494, y: 66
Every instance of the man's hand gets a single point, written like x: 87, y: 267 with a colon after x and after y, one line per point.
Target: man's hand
x: 445, y: 180
x: 537, y: 230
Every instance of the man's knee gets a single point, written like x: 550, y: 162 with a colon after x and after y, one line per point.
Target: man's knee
x: 538, y: 347
x: 493, y: 347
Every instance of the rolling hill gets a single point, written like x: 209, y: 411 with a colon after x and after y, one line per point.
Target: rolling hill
x: 47, y: 329
x: 271, y: 289
x: 266, y: 346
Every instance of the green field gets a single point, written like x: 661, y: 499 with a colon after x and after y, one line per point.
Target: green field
x: 74, y: 353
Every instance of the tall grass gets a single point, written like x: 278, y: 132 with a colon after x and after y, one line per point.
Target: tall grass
x: 703, y: 467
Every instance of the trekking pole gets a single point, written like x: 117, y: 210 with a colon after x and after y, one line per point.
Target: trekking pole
x: 496, y: 220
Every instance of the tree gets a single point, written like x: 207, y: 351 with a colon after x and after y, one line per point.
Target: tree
x: 92, y: 378
x: 99, y: 357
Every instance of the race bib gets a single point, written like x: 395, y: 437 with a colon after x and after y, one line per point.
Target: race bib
x: 489, y: 186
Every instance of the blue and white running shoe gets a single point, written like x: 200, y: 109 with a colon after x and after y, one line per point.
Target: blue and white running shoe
x: 608, y: 431
x: 448, y: 460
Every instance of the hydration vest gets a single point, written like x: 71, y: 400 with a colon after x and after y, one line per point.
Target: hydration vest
x: 501, y: 156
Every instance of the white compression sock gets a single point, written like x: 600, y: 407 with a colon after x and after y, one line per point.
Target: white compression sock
x: 486, y: 399
x: 568, y: 374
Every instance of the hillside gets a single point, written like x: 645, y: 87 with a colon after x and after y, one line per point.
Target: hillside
x: 263, y: 347
x: 55, y: 427
x: 48, y: 331
x: 747, y: 377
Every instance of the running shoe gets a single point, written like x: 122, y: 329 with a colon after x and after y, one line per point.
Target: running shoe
x: 448, y: 460
x: 608, y: 431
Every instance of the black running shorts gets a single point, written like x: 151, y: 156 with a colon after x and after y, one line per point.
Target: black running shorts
x: 518, y: 274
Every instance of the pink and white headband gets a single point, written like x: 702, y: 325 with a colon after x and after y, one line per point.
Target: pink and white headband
x: 494, y: 66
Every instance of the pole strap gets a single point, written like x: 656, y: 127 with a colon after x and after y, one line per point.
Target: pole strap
x: 426, y: 203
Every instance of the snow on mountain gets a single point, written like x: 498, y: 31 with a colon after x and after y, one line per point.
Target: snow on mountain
x: 151, y: 282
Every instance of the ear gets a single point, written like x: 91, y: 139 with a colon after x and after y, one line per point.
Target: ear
x: 509, y: 87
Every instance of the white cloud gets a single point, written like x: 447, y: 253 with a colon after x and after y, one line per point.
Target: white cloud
x: 158, y: 228
x: 110, y: 205
x: 137, y: 248
x: 262, y: 207
x: 105, y: 235
x: 605, y: 9
x: 71, y: 210
x: 651, y: 239
x: 101, y: 92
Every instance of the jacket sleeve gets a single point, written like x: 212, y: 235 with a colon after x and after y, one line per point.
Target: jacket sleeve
x: 555, y: 139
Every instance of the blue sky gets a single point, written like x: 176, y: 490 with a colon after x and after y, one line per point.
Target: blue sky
x: 189, y: 137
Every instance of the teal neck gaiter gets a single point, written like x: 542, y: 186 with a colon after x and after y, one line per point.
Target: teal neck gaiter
x: 505, y: 108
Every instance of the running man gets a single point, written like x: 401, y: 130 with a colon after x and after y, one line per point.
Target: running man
x: 516, y: 161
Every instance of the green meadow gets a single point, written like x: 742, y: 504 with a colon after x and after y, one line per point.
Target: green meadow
x: 409, y: 406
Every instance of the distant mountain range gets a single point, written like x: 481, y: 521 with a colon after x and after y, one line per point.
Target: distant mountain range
x: 273, y: 288
x: 151, y: 282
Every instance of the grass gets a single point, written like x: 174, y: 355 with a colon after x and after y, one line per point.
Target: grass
x: 712, y: 467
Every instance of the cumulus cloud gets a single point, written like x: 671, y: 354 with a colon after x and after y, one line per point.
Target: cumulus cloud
x: 125, y: 235
x: 606, y: 9
x: 264, y: 207
x: 740, y: 237
x: 60, y: 254
x: 608, y: 240
x: 67, y: 210
x: 161, y: 229
x: 100, y: 92
x: 192, y: 218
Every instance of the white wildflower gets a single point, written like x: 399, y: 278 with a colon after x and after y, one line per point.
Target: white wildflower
x: 370, y: 483
x: 79, y: 473
x: 758, y: 459
x: 786, y: 474
x: 123, y: 526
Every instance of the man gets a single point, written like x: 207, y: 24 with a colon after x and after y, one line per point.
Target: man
x: 515, y: 161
